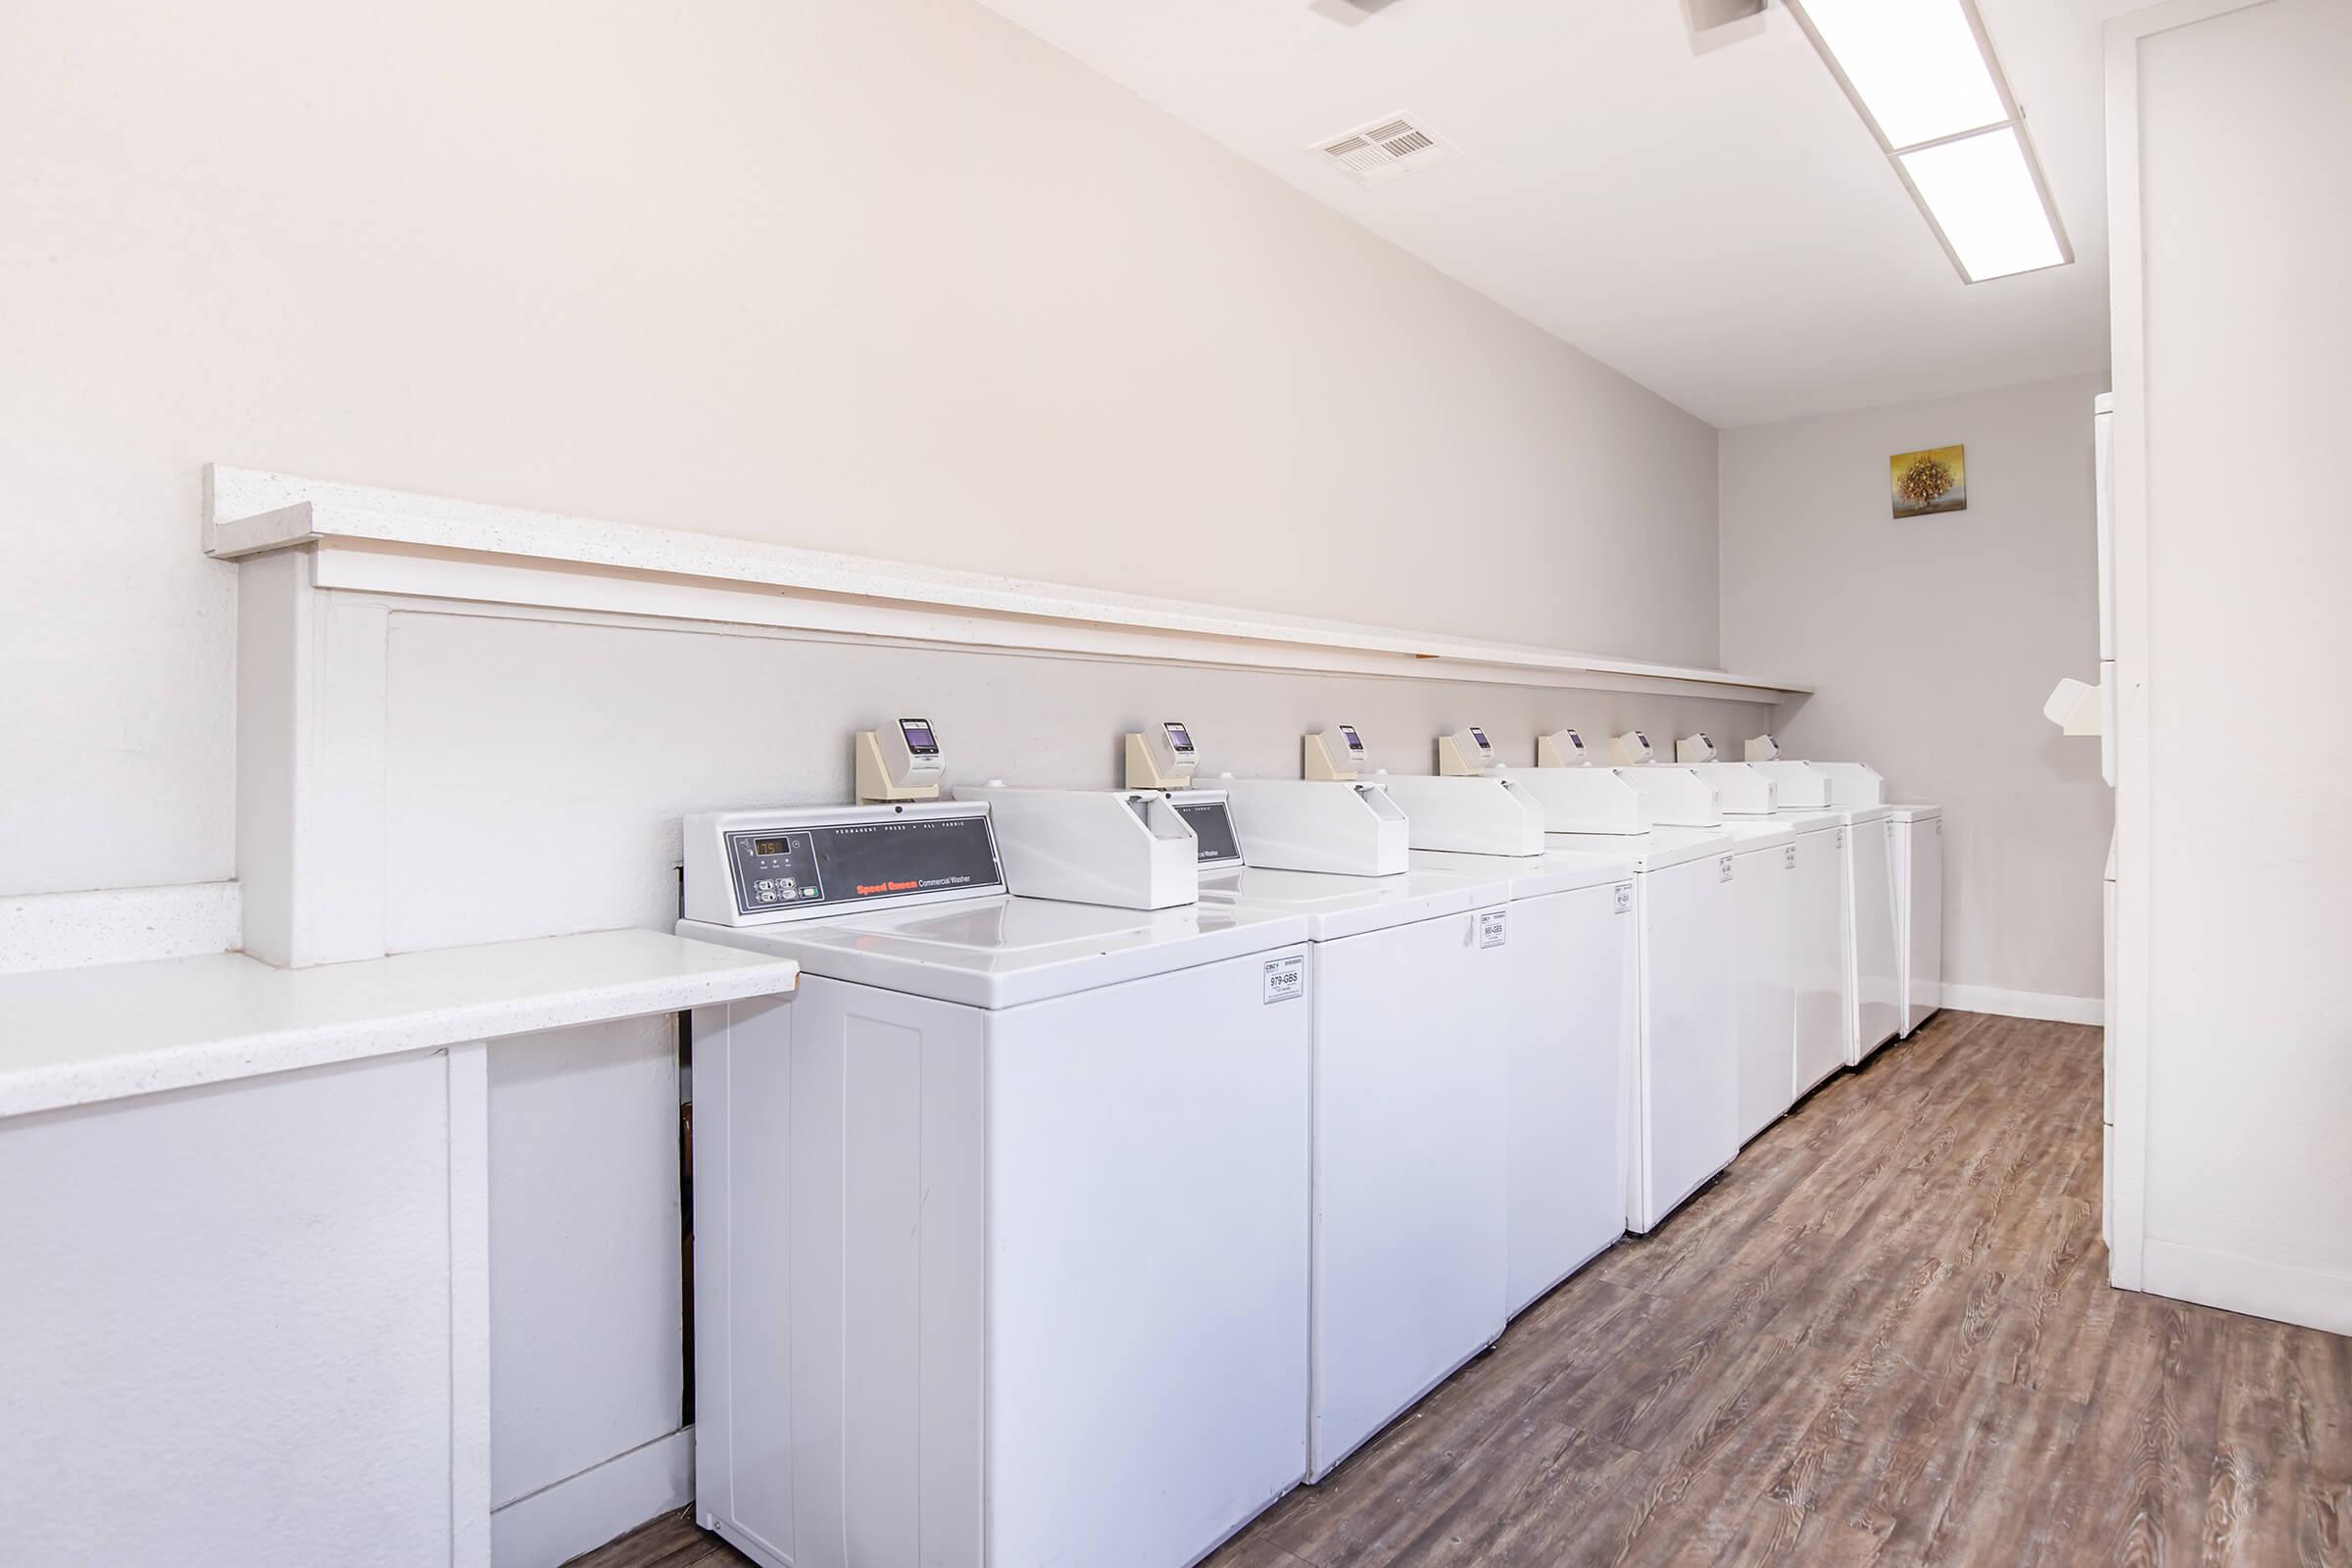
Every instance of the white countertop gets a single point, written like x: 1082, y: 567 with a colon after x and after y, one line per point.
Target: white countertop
x: 76, y: 1036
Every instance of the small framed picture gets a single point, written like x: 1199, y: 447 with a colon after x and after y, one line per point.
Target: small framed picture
x: 1924, y: 483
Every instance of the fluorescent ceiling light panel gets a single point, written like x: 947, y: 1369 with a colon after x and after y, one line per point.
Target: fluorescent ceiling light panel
x: 1917, y: 68
x: 1982, y: 194
x: 1921, y: 75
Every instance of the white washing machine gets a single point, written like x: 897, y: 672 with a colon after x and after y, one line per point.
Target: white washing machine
x: 1765, y: 980
x: 1821, y: 946
x: 1821, y: 920
x: 1412, y: 984
x: 1878, y: 963
x: 1569, y: 1031
x: 1683, y: 1109
x: 1412, y: 981
x: 1873, y: 927
x: 1002, y: 1227
x: 1918, y: 910
x: 1765, y: 877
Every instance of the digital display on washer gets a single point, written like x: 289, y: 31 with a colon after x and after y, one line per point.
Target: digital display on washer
x: 1177, y: 738
x: 855, y: 863
x: 920, y: 742
x: 1347, y: 734
x: 1480, y: 736
x: 1212, y: 824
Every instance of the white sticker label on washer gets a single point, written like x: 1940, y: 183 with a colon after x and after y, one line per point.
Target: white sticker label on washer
x: 1286, y: 978
x: 1723, y: 869
x: 1789, y: 856
x: 1625, y: 898
x: 1493, y: 929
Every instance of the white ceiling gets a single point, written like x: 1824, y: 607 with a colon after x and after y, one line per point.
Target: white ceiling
x: 1719, y: 225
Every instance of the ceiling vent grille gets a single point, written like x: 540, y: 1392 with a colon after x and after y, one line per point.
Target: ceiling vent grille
x: 1385, y: 150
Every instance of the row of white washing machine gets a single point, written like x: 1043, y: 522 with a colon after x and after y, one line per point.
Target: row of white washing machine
x: 1128, y: 1156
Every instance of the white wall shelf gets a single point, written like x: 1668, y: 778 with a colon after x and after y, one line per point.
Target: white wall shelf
x: 394, y: 542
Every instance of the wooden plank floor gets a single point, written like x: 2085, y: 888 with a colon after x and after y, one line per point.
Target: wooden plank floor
x: 1884, y: 1336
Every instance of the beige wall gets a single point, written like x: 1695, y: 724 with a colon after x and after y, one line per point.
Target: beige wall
x: 886, y: 275
x: 1934, y: 643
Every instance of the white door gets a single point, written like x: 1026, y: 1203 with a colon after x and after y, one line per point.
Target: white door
x: 1877, y: 1003
x: 1568, y: 1037
x: 1409, y: 1170
x: 1764, y: 977
x: 1817, y: 924
x: 1687, y: 1111
x: 1923, y: 922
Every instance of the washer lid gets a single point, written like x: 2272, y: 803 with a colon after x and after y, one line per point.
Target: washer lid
x: 1002, y: 951
x: 1535, y: 876
x: 1813, y: 818
x: 1657, y: 848
x: 1759, y: 832
x: 1913, y: 811
x: 1335, y: 906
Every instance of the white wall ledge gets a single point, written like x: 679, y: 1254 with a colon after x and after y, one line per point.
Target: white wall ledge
x: 118, y: 925
x: 395, y: 541
x: 77, y: 1037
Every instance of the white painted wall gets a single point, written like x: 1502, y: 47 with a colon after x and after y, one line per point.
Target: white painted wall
x: 1934, y: 643
x: 889, y: 275
x: 538, y: 770
x: 2234, y: 1054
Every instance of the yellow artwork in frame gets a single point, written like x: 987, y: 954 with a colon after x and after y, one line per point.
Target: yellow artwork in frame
x: 1925, y: 483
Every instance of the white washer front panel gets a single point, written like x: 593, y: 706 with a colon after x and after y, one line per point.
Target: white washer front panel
x: 1687, y: 1101
x: 1409, y: 1170
x: 1764, y: 982
x: 1148, y: 1265
x: 1920, y: 875
x: 1877, y: 988
x: 1569, y: 1040
x: 979, y: 1288
x: 1817, y: 936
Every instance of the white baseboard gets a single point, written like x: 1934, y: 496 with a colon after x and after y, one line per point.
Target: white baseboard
x: 2045, y: 1005
x: 559, y: 1522
x: 2280, y: 1292
x: 118, y: 925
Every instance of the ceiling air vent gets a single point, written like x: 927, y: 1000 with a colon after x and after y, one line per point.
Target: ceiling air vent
x: 1385, y: 150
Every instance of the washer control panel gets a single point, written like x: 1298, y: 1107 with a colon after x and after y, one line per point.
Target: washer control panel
x: 1211, y: 822
x: 753, y: 867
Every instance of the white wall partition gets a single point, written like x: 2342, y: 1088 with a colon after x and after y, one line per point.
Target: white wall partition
x: 2231, y: 1066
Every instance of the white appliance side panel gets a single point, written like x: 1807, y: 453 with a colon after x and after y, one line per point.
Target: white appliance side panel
x: 838, y: 1277
x: 1410, y: 1171
x: 1146, y: 1264
x: 1922, y: 922
x: 1572, y: 1012
x: 1764, y: 976
x: 1877, y: 1000
x: 1688, y: 1109
x: 1818, y: 930
x: 225, y: 1324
